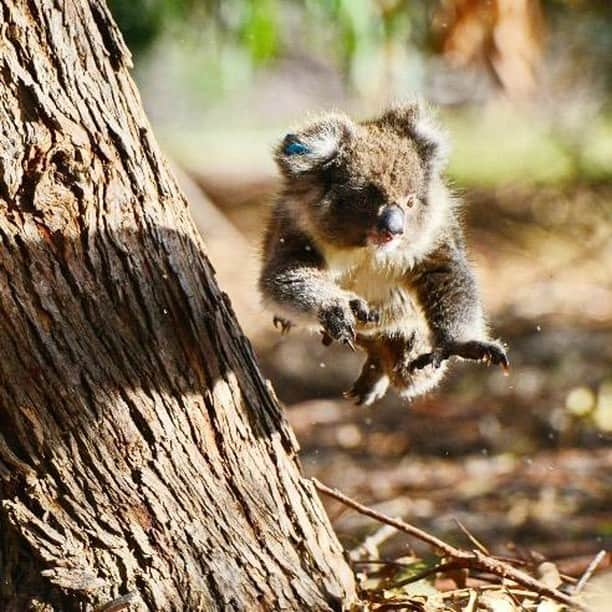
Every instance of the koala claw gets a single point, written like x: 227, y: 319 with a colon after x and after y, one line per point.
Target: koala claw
x: 353, y: 396
x: 365, y: 393
x: 362, y: 311
x: 488, y: 352
x: 285, y: 325
x: 371, y: 385
x: 338, y: 324
x: 350, y: 344
x: 326, y: 339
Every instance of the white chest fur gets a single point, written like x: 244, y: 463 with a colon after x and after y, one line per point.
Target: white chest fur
x: 381, y: 279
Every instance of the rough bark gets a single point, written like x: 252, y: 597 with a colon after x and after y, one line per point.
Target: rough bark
x: 141, y: 452
x: 238, y: 273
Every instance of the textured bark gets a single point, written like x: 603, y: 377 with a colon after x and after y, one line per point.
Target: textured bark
x: 141, y: 452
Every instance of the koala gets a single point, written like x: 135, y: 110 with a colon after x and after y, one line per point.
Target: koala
x: 365, y: 243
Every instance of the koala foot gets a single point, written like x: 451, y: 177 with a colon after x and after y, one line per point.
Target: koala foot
x: 283, y: 324
x: 371, y: 385
x: 488, y: 352
x: 435, y: 359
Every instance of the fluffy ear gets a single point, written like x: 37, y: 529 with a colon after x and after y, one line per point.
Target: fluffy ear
x: 313, y: 145
x: 415, y: 121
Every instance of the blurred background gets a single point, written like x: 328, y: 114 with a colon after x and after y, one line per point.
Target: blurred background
x: 525, y: 90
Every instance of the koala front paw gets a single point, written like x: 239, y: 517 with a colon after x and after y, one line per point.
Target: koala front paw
x: 362, y: 311
x: 338, y: 322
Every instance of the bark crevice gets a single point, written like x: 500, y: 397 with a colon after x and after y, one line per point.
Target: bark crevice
x: 141, y: 451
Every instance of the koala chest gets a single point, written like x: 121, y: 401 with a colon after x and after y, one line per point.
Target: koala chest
x: 384, y: 291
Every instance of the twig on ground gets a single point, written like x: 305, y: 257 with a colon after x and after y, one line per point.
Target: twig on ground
x: 442, y: 567
x: 514, y: 598
x: 523, y: 563
x: 481, y: 547
x: 474, y: 559
x: 491, y: 587
x: 370, y: 545
x: 471, y: 604
x: 589, y: 571
x: 380, y: 562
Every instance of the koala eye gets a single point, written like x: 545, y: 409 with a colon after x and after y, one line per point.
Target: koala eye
x: 411, y: 200
x: 292, y: 146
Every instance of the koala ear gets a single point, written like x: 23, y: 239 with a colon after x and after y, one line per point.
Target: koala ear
x: 415, y: 121
x: 314, y: 145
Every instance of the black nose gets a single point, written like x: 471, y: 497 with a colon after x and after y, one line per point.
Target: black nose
x: 391, y: 220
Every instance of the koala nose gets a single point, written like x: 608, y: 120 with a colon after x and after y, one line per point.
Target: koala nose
x: 391, y: 220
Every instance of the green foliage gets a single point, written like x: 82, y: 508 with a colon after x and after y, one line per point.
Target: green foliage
x: 260, y: 29
x: 211, y: 50
x: 503, y: 146
x: 347, y: 28
x: 142, y: 21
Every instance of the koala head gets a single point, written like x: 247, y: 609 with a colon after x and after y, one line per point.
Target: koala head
x: 363, y: 184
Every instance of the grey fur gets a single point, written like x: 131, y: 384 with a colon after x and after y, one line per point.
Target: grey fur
x: 410, y: 304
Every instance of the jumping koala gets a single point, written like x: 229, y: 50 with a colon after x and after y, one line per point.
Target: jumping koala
x: 365, y: 242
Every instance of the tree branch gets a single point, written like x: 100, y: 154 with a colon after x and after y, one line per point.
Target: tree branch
x: 474, y: 559
x: 590, y: 570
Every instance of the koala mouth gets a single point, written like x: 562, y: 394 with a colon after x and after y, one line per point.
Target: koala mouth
x: 389, y: 226
x: 381, y: 238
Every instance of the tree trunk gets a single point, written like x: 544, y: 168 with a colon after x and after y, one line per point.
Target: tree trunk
x: 141, y: 452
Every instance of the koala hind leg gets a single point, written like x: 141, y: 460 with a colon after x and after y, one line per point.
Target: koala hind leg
x: 389, y: 364
x: 408, y: 381
x: 376, y: 373
x: 371, y: 385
